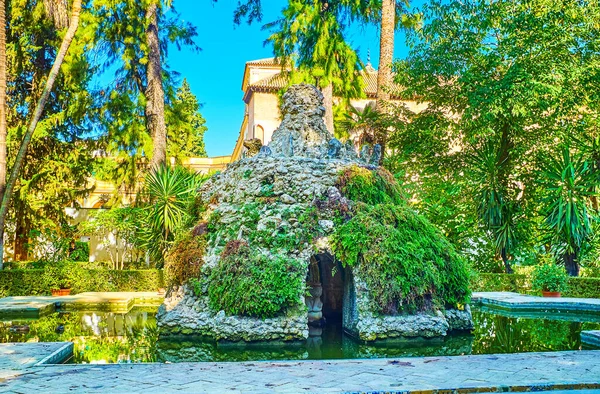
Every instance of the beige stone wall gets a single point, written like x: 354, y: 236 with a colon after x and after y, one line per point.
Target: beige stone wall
x: 263, y: 111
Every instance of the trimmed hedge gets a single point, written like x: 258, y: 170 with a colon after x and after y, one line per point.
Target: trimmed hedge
x: 92, y: 265
x: 31, y: 281
x: 578, y: 287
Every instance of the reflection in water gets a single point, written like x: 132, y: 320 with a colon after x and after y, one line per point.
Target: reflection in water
x: 133, y: 337
x: 98, y: 337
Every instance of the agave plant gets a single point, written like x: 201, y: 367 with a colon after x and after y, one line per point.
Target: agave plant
x: 568, y: 184
x: 170, y: 191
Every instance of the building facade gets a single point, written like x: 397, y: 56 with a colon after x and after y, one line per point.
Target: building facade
x: 262, y: 81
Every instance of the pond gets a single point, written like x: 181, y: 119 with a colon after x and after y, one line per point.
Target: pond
x: 101, y: 337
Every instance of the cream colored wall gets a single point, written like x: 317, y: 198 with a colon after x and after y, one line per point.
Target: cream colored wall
x: 263, y: 111
x: 98, y: 245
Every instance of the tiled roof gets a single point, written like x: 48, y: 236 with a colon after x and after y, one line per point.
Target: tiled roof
x: 274, y: 83
x: 268, y: 61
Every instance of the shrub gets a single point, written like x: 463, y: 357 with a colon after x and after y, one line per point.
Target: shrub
x: 248, y: 283
x: 58, y: 275
x: 583, y: 287
x: 369, y: 186
x: 32, y: 281
x: 518, y: 283
x: 549, y: 277
x: 406, y: 262
x: 185, y: 259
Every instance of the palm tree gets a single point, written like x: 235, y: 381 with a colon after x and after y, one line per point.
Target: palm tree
x: 155, y: 94
x: 39, y: 108
x: 386, y: 52
x: 2, y: 106
x: 386, y: 56
x: 361, y: 126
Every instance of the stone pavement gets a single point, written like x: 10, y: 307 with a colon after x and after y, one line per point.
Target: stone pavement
x: 515, y: 301
x: 16, y: 357
x: 37, y: 306
x: 481, y: 373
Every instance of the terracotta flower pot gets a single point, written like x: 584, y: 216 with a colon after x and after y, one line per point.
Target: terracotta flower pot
x: 61, y: 292
x: 550, y: 293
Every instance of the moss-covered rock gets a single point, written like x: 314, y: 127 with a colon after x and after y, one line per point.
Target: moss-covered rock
x: 264, y: 220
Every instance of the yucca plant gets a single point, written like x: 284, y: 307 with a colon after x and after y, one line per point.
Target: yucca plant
x: 568, y: 185
x: 169, y: 191
x: 495, y: 210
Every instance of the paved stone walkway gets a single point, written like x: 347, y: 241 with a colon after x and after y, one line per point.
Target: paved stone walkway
x: 482, y: 373
x: 37, y: 306
x: 515, y: 301
x: 16, y: 357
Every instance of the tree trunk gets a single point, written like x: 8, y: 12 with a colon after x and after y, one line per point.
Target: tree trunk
x: 3, y: 126
x: 571, y: 265
x: 386, y: 56
x: 507, y: 268
x: 23, y: 226
x: 37, y: 114
x: 328, y: 103
x: 155, y: 95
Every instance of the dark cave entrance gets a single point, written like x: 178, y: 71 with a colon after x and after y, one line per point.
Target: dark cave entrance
x: 326, y: 280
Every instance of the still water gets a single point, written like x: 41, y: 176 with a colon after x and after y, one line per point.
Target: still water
x: 133, y: 337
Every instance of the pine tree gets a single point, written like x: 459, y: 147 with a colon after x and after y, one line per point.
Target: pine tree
x: 186, y: 126
x: 311, y: 34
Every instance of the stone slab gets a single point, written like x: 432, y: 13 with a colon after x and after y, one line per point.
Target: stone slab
x: 514, y: 301
x: 37, y: 306
x: 578, y: 370
x: 15, y: 357
x: 591, y: 337
x: 26, y: 307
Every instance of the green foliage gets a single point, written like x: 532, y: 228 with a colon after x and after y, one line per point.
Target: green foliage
x: 248, y: 283
x: 517, y: 77
x: 362, y: 127
x: 516, y: 283
x: 369, y: 186
x: 568, y: 185
x: 406, y: 262
x: 121, y: 224
x: 58, y: 275
x: 185, y: 258
x: 185, y: 126
x: 312, y: 33
x: 521, y: 283
x: 171, y: 192
x: 124, y: 56
x: 58, y: 160
x: 33, y: 281
x: 549, y: 277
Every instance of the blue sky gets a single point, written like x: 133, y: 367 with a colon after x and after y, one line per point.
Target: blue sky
x: 215, y: 73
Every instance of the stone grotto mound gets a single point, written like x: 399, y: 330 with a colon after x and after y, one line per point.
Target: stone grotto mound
x: 305, y: 233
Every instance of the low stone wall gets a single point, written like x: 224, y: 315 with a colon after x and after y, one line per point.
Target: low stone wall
x: 185, y: 314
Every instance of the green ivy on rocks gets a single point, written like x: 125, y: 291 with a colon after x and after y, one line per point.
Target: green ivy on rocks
x: 247, y: 283
x: 371, y: 187
x: 406, y: 262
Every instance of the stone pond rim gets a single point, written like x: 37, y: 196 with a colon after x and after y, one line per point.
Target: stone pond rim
x: 263, y: 202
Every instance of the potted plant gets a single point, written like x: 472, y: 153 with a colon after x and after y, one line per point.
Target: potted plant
x: 550, y: 279
x: 57, y: 278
